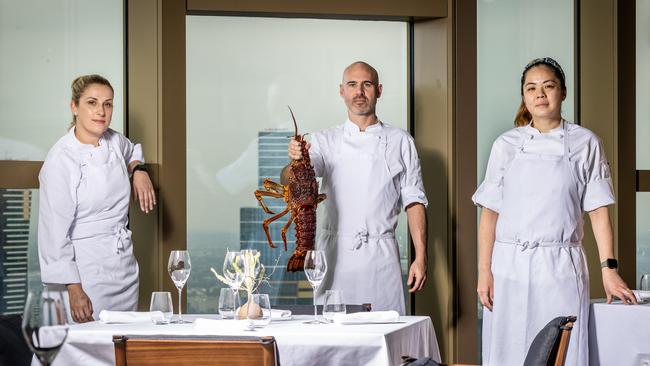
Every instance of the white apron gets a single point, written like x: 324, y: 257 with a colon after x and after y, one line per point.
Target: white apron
x: 101, y: 239
x: 358, y: 232
x: 538, y: 263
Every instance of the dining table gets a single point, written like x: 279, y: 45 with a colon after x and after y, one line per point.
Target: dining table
x: 619, y: 334
x: 298, y: 343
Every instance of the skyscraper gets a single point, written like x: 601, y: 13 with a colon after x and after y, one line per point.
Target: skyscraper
x: 15, y: 208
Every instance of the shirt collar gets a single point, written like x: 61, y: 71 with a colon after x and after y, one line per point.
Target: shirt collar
x: 556, y: 131
x: 74, y: 142
x: 350, y: 126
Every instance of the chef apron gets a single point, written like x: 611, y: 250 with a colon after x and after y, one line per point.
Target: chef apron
x: 538, y: 262
x: 358, y: 232
x: 101, y: 239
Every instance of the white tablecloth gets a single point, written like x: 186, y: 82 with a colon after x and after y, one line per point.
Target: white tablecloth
x: 298, y: 343
x: 619, y: 335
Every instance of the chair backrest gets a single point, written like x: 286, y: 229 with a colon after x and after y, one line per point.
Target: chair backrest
x: 13, y: 347
x: 549, y: 348
x: 163, y: 350
x: 309, y: 309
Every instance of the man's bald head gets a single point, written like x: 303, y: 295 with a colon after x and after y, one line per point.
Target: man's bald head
x: 362, y: 65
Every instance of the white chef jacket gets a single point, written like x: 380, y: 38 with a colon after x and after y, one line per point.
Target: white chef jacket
x: 538, y: 262
x: 368, y: 177
x: 82, y: 233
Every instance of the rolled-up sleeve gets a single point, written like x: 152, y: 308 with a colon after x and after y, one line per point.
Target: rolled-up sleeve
x: 411, y: 185
x: 598, y: 190
x: 490, y: 192
x: 57, y: 205
x: 131, y: 152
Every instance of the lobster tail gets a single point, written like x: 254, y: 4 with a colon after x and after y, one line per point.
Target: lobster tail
x: 296, y: 261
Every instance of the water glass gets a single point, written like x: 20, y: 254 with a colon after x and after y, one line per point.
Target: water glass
x: 161, y: 301
x: 333, y: 304
x: 644, y: 284
x: 258, y: 313
x: 228, y: 301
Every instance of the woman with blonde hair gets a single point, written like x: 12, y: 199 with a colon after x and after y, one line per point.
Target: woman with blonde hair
x: 83, y: 237
x: 541, y: 178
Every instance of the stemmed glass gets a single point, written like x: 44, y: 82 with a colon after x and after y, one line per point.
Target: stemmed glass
x: 233, y: 271
x: 315, y: 269
x: 179, y: 268
x: 44, y: 324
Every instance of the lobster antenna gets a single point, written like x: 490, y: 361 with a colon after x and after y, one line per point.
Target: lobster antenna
x: 294, y: 120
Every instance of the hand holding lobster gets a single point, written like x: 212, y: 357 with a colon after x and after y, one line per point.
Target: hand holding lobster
x: 295, y: 148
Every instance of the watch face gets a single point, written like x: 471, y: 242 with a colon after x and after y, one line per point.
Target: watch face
x: 611, y: 263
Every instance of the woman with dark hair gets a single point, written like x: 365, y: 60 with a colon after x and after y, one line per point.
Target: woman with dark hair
x: 83, y: 239
x: 541, y: 178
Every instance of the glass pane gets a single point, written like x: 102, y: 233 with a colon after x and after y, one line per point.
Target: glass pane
x: 44, y: 45
x: 19, y: 269
x: 642, y: 233
x: 508, y: 37
x: 241, y: 75
x: 642, y: 85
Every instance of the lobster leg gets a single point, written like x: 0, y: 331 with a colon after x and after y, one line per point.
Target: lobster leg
x: 286, y: 228
x: 272, y: 186
x: 321, y: 198
x: 259, y: 194
x: 266, y: 223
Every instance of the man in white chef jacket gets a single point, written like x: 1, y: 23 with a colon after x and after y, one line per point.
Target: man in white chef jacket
x: 370, y: 171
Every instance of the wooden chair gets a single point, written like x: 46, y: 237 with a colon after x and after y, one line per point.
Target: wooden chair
x: 163, y: 350
x: 309, y: 309
x: 549, y: 348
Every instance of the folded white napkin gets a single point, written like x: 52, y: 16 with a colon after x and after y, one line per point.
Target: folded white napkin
x: 108, y: 316
x: 642, y: 296
x: 203, y: 323
x: 278, y: 314
x: 365, y: 317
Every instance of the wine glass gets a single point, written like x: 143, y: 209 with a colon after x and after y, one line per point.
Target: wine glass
x: 233, y: 271
x: 315, y: 269
x: 44, y: 324
x: 179, y: 268
x: 258, y: 311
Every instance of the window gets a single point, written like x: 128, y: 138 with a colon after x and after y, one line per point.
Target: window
x: 44, y: 45
x: 241, y: 75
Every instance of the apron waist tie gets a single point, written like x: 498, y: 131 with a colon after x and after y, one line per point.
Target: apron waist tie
x: 122, y: 235
x: 534, y: 244
x: 93, y: 229
x: 360, y: 237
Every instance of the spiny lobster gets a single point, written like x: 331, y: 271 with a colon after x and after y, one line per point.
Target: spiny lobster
x: 301, y: 196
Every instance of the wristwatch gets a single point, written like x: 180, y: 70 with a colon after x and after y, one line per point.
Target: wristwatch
x: 140, y: 167
x: 610, y: 263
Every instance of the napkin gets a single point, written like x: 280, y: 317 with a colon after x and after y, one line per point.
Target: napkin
x: 367, y: 317
x: 203, y: 323
x: 278, y: 314
x: 107, y: 316
x: 642, y: 296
